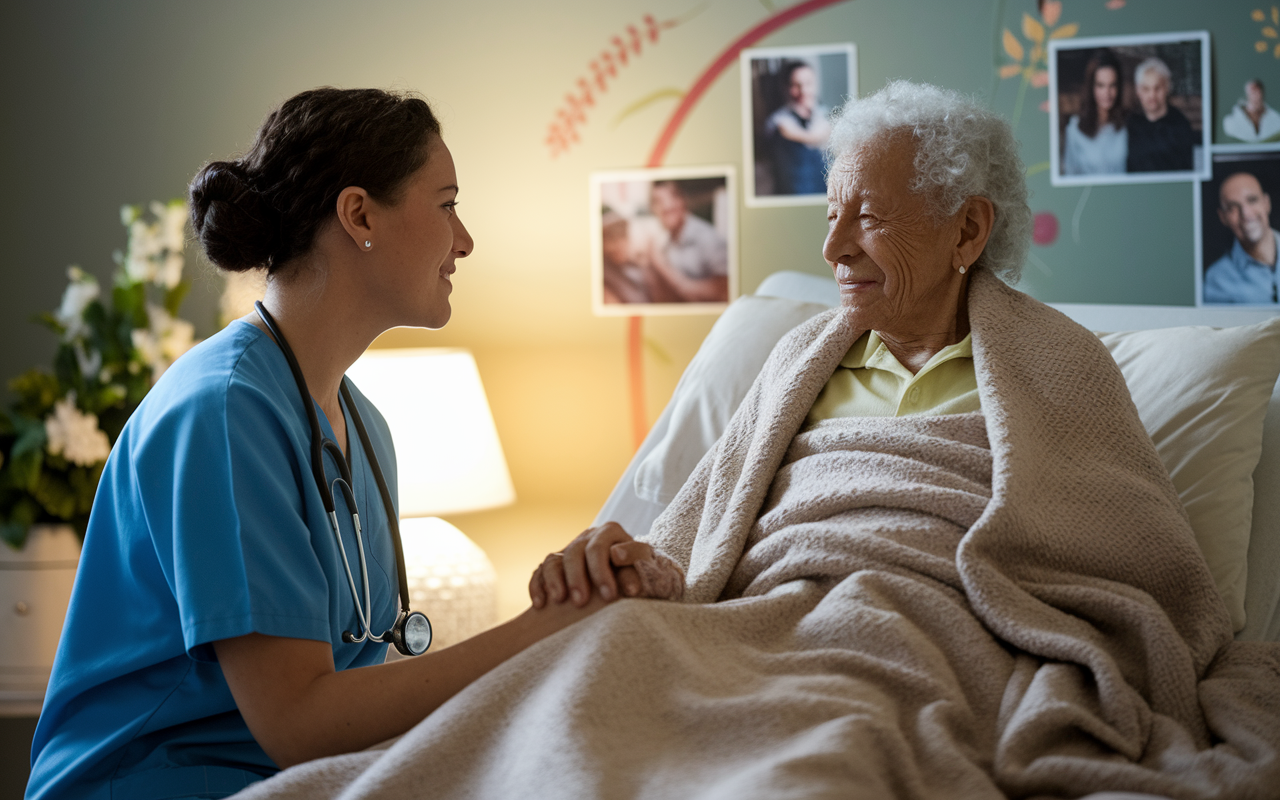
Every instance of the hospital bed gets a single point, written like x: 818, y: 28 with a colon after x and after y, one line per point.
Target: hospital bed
x: 1209, y: 398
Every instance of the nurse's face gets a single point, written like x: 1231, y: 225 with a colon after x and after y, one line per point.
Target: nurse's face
x: 420, y: 239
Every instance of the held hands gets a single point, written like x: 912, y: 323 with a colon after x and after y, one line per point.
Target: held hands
x: 608, y: 561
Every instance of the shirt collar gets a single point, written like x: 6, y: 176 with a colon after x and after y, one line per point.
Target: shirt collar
x: 1243, y: 259
x: 870, y: 352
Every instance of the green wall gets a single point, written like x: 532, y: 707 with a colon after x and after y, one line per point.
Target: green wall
x: 108, y: 103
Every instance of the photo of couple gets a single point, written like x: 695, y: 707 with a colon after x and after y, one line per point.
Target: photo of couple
x: 1129, y: 109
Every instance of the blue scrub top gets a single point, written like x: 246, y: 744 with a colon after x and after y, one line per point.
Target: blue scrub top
x: 207, y: 525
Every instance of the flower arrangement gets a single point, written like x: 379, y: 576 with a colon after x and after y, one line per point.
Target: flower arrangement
x: 57, y: 433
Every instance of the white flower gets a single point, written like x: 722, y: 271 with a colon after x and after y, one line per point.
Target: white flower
x: 169, y: 271
x: 145, y: 239
x: 145, y: 246
x: 160, y: 344
x: 147, y: 345
x: 81, y: 291
x: 172, y: 225
x: 74, y: 435
x: 139, y: 267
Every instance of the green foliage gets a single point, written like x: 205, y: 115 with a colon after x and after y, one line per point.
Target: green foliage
x: 174, y: 297
x: 99, y: 376
x: 37, y: 391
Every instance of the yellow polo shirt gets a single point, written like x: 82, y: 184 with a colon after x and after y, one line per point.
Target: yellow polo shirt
x: 871, y: 383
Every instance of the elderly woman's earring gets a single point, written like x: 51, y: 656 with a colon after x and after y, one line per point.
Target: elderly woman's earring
x: 962, y: 269
x: 367, y: 244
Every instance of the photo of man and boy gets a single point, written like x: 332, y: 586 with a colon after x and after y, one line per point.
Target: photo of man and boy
x: 663, y: 241
x: 788, y: 94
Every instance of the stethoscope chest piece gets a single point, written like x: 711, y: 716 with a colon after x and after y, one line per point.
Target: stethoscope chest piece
x: 412, y: 634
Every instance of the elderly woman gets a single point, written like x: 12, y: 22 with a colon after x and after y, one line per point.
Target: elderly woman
x: 934, y: 554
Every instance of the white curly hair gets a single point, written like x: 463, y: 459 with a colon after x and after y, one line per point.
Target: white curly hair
x: 962, y: 149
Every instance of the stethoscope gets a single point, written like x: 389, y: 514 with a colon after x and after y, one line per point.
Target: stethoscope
x: 411, y: 633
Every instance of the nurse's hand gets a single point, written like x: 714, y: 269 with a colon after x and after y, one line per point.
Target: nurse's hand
x: 607, y: 561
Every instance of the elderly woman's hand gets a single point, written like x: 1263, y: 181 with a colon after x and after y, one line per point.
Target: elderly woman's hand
x: 606, y: 560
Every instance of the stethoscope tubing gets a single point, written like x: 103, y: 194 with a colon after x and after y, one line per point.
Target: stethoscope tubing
x: 319, y: 444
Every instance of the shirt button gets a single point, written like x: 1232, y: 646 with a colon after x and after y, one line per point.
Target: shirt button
x: 914, y: 394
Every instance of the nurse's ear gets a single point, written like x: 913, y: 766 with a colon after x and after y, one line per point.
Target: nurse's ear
x: 354, y: 205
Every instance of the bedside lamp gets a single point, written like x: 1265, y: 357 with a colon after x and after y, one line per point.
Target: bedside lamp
x: 449, y: 461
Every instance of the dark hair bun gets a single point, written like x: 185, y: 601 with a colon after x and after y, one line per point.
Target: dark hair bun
x: 238, y: 228
x: 265, y: 208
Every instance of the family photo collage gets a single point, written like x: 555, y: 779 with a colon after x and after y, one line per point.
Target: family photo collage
x: 1138, y: 109
x: 1123, y: 109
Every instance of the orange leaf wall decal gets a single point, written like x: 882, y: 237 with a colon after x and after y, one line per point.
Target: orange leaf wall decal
x: 1009, y: 70
x: 1012, y: 46
x: 1031, y: 29
x: 1065, y: 32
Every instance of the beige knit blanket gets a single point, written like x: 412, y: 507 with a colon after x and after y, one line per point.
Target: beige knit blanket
x: 975, y: 606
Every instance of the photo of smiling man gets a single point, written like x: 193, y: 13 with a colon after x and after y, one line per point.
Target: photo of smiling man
x: 1240, y: 245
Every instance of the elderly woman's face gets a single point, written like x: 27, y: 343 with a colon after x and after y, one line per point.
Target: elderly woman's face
x: 891, y: 258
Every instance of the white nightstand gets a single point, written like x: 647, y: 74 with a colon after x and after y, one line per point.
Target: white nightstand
x: 35, y: 587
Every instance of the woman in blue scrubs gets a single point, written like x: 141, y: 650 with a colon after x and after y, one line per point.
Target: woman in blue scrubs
x: 203, y: 649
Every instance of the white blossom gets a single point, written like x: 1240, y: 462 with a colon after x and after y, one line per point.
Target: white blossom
x: 139, y: 267
x: 81, y: 291
x: 171, y: 224
x: 145, y: 246
x: 155, y: 248
x: 166, y: 338
x: 169, y: 271
x: 75, y: 435
x: 147, y: 345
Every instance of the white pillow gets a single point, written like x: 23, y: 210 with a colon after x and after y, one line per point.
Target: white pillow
x: 713, y: 385
x: 1202, y: 395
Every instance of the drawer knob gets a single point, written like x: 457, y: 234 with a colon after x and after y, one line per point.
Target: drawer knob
x: 21, y: 609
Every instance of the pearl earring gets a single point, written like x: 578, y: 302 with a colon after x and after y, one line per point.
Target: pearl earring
x: 962, y: 269
x: 367, y: 244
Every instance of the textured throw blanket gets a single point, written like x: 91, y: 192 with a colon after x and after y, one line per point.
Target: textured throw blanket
x: 985, y: 605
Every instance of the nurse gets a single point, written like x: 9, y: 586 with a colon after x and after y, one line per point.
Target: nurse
x: 203, y: 649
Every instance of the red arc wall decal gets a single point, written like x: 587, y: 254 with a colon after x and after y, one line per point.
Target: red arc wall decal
x: 635, y: 335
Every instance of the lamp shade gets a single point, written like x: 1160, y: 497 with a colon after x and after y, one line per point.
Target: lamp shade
x: 448, y: 456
